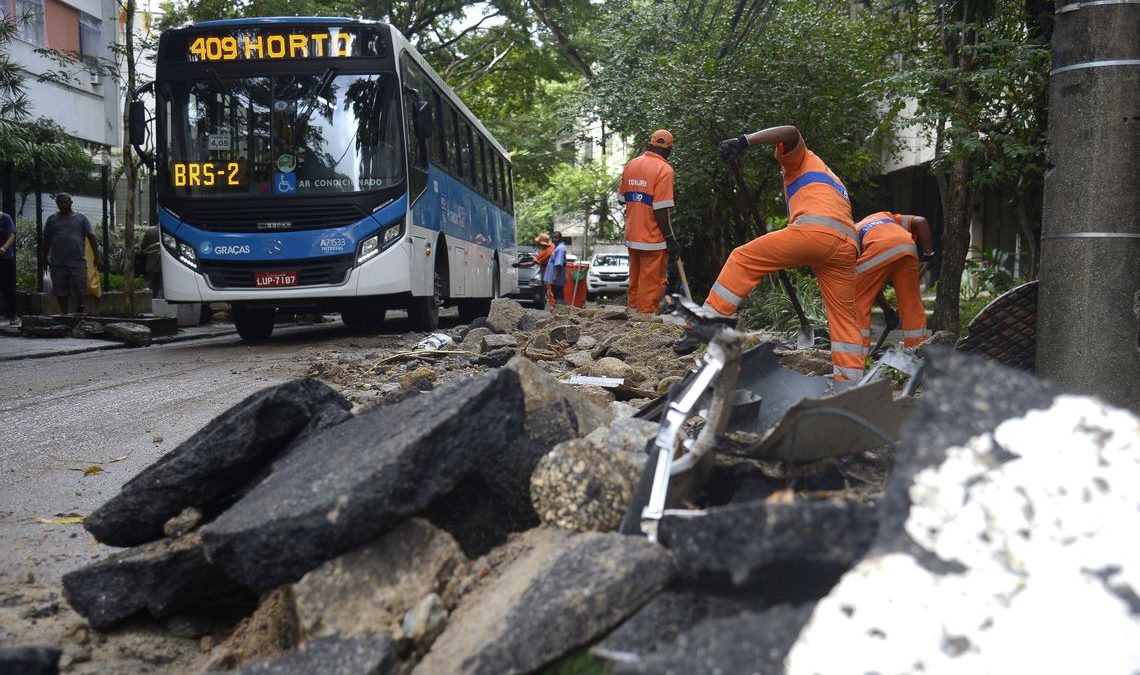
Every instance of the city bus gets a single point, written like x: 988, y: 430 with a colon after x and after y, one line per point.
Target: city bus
x: 320, y: 164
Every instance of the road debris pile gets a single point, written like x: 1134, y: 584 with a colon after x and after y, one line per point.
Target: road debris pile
x: 136, y: 333
x: 475, y: 525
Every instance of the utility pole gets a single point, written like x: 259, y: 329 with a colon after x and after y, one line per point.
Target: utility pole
x: 1087, y: 337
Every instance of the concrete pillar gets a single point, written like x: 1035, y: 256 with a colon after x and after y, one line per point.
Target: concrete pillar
x: 1090, y: 259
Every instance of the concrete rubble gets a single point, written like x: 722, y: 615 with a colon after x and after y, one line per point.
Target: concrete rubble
x: 469, y: 523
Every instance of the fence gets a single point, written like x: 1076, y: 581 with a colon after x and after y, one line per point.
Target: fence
x: 100, y: 209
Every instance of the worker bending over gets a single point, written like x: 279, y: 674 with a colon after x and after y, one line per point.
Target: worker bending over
x: 888, y: 241
x: 820, y: 234
x: 647, y: 192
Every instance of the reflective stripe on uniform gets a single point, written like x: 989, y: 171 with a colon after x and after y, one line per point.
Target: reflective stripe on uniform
x: 906, y: 223
x: 885, y: 256
x: 639, y: 198
x: 663, y: 204
x: 815, y: 177
x: 918, y: 332
x: 846, y: 348
x: 646, y: 246
x: 863, y: 230
x: 849, y: 373
x: 837, y: 225
x: 727, y: 295
x: 865, y: 331
x: 708, y: 306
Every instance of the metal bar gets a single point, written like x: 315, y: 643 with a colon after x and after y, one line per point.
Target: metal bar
x: 1095, y: 64
x: 105, y: 176
x: 39, y: 175
x: 1092, y: 235
x: 1072, y: 7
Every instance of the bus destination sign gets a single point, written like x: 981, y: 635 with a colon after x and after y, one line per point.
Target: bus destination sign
x: 280, y: 44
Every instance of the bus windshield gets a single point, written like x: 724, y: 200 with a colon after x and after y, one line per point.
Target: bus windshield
x: 315, y: 133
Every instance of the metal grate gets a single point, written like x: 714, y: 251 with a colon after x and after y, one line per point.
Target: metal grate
x: 319, y: 272
x: 299, y: 217
x: 1006, y: 329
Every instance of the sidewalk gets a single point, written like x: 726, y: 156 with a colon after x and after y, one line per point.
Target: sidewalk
x: 13, y: 346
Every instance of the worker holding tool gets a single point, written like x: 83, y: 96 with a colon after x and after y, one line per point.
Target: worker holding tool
x: 889, y: 253
x: 820, y: 234
x: 541, y: 258
x: 647, y: 192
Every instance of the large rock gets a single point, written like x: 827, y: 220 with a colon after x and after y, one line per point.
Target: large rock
x: 562, y: 592
x: 134, y: 334
x: 493, y: 342
x: 369, y: 590
x: 504, y: 315
x: 628, y: 437
x: 163, y: 578
x: 581, y: 486
x: 1020, y: 511
x: 495, y: 500
x: 608, y: 366
x: 474, y: 338
x: 821, y: 538
x: 207, y: 469
x: 567, y: 334
x: 359, y: 479
x: 29, y: 660
x: 749, y: 643
x: 359, y: 655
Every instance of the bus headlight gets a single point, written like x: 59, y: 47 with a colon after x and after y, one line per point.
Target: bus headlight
x: 372, y: 246
x: 180, y: 249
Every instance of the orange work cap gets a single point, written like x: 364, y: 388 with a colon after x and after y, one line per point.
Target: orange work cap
x: 661, y: 139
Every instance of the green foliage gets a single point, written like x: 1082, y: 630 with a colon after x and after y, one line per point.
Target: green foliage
x: 573, y: 189
x: 578, y: 662
x: 13, y: 99
x: 968, y: 310
x: 987, y: 272
x: 710, y: 73
x: 768, y: 307
x: 66, y: 162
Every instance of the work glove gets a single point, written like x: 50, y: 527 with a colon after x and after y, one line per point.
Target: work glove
x: 672, y: 246
x: 731, y: 148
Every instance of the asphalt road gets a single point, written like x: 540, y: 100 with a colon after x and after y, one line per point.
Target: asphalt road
x: 119, y: 410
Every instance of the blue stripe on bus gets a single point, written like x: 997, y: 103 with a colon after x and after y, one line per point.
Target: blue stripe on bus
x: 282, y: 245
x: 639, y: 198
x: 815, y: 177
x: 451, y: 207
x: 273, y: 20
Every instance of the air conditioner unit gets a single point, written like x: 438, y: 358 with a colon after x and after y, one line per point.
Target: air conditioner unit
x: 96, y: 78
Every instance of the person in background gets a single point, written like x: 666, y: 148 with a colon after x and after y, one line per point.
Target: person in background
x: 546, y: 247
x: 889, y: 254
x: 647, y: 192
x: 65, y: 255
x: 555, y: 275
x: 8, y: 265
x: 820, y: 234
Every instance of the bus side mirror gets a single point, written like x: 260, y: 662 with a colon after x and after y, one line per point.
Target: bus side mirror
x: 136, y: 123
x: 423, y: 119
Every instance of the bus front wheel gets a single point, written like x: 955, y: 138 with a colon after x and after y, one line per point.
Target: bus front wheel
x: 423, y: 311
x: 253, y: 323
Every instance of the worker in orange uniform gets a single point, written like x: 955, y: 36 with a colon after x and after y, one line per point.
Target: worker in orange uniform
x: 820, y: 234
x: 540, y: 259
x: 888, y: 241
x: 647, y: 192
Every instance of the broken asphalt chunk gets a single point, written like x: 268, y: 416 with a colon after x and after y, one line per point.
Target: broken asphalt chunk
x: 207, y: 469
x: 29, y: 660
x: 163, y: 578
x: 348, y: 485
x: 563, y: 591
x: 359, y: 655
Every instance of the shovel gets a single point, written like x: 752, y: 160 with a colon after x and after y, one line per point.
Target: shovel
x: 890, y: 318
x: 806, y: 337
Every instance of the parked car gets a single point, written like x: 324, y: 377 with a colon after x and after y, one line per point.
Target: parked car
x: 531, y: 288
x: 608, y: 274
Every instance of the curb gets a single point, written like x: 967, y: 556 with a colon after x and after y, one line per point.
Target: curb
x: 170, y: 339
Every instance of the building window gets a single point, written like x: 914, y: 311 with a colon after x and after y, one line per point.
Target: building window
x: 90, y: 31
x: 30, y: 21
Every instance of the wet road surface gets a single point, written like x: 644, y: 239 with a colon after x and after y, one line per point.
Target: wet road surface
x: 119, y: 410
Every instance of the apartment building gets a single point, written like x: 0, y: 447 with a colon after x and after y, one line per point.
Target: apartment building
x: 85, y: 103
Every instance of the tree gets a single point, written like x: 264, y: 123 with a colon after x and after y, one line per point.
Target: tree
x: 708, y: 71
x: 982, y: 97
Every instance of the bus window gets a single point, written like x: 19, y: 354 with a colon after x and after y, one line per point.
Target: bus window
x: 415, y: 91
x: 483, y: 165
x: 455, y: 143
x: 439, y: 138
x: 471, y: 175
x: 510, y: 190
x: 494, y: 195
x: 502, y: 181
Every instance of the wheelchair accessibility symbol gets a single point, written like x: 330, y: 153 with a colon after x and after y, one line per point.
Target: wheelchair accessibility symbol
x: 284, y: 183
